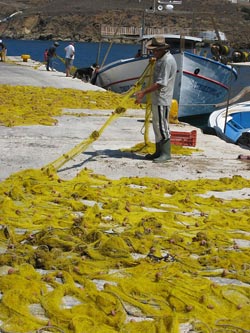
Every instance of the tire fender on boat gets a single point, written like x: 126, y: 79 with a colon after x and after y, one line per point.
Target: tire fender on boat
x: 218, y: 49
x: 240, y: 56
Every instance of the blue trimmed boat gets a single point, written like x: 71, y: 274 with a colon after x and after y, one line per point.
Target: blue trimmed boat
x: 200, y: 84
x: 232, y: 124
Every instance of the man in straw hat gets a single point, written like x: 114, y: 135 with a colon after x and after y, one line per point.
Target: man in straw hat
x: 162, y: 93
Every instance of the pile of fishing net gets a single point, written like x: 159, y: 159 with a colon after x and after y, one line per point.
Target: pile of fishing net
x: 29, y: 105
x: 131, y: 255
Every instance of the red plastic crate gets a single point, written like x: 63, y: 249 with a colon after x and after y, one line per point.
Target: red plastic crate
x: 184, y: 138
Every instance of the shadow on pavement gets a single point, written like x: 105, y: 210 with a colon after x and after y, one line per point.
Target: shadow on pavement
x: 116, y: 153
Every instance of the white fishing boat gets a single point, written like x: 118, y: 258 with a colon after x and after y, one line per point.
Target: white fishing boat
x: 232, y: 123
x: 201, y: 83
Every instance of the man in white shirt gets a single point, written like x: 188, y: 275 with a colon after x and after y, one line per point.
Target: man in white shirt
x: 161, y: 92
x: 69, y: 57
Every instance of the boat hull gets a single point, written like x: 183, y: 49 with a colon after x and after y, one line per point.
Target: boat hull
x: 200, y: 84
x: 121, y: 75
x: 233, y: 123
x: 203, y: 84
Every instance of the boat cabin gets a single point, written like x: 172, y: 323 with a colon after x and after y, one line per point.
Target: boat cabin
x: 178, y: 43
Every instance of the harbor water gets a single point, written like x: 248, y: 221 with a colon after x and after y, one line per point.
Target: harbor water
x: 86, y: 53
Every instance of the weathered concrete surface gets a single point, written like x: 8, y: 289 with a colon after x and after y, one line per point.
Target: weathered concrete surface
x: 35, y: 146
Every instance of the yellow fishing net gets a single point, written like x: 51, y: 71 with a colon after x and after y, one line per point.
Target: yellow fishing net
x: 37, y: 105
x: 131, y: 255
x: 92, y: 254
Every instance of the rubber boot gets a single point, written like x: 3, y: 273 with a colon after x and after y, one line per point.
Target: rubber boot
x: 156, y: 153
x: 165, y: 154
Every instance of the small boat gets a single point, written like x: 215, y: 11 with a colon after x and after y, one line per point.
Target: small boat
x: 232, y: 123
x: 200, y: 84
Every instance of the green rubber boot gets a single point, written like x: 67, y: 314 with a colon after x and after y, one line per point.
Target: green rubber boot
x: 165, y: 154
x: 156, y: 154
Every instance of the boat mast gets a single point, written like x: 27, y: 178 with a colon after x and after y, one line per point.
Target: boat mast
x: 216, y: 29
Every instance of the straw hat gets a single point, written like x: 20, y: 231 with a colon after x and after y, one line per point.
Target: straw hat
x: 157, y: 43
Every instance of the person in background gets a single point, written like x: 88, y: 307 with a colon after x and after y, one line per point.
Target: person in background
x: 3, y: 51
x: 161, y: 92
x: 45, y: 55
x: 50, y: 55
x: 138, y: 54
x: 69, y: 57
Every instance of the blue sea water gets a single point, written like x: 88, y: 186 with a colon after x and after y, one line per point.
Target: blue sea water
x: 86, y: 53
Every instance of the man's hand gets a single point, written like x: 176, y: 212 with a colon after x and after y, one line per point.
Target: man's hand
x: 139, y: 97
x: 140, y: 94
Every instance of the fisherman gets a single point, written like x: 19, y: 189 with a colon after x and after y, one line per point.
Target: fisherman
x: 161, y: 92
x: 50, y: 55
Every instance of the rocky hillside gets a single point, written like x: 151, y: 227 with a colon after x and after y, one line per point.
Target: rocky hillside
x: 81, y: 20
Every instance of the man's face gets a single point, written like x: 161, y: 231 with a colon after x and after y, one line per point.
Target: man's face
x: 158, y: 53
